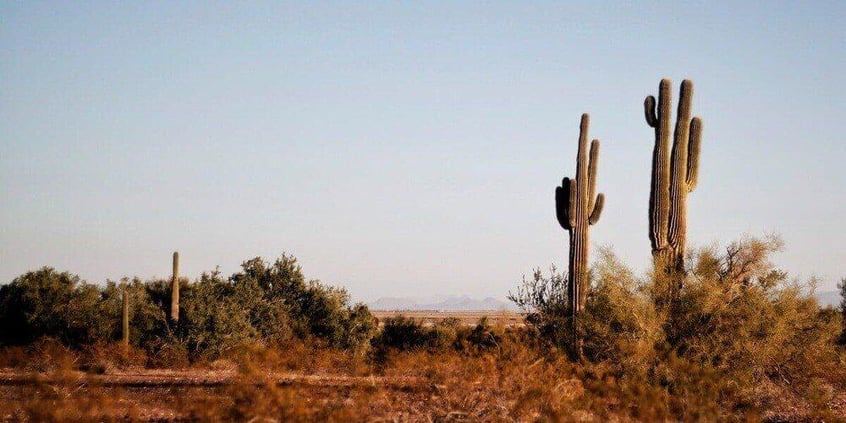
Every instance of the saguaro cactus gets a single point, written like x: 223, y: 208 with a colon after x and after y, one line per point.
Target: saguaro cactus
x: 577, y: 206
x: 125, y: 319
x: 674, y: 174
x: 174, y: 289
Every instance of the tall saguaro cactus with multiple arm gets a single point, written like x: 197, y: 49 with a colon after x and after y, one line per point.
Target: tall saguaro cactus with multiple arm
x: 577, y: 206
x: 674, y: 174
x: 174, y: 289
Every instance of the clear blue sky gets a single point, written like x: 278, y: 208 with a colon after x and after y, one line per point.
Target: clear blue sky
x: 403, y: 149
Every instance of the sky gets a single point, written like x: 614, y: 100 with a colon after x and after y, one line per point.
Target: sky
x: 404, y: 149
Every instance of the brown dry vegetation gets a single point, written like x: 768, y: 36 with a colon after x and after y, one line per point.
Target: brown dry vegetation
x: 515, y: 380
x: 467, y: 318
x: 739, y: 342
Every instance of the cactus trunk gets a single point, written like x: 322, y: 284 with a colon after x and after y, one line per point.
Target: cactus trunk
x: 125, y: 319
x: 174, y: 289
x: 674, y: 174
x: 577, y: 207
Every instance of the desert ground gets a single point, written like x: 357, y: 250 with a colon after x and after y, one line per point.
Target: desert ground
x: 171, y: 395
x: 226, y: 394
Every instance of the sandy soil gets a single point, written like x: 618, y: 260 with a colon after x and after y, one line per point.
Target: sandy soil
x: 174, y: 395
x: 161, y: 395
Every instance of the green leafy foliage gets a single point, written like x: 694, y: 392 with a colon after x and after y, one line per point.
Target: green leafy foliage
x: 312, y: 309
x: 404, y: 334
x: 263, y: 303
x: 738, y: 324
x: 48, y: 303
x: 544, y: 300
x: 216, y: 315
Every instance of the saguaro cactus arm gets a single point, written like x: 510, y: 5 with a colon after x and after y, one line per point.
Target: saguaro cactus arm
x: 597, y: 209
x: 592, y: 166
x: 594, y: 208
x: 649, y: 109
x: 572, y: 202
x: 562, y: 204
x: 693, y: 154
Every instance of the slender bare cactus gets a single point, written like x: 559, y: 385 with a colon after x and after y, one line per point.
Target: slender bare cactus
x: 577, y: 206
x: 674, y: 174
x: 125, y: 318
x: 174, y: 289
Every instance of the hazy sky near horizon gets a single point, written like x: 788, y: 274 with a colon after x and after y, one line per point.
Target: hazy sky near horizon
x: 404, y: 148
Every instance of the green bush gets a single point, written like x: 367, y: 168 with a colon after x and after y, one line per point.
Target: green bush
x: 738, y: 324
x: 482, y: 336
x: 47, y: 303
x: 263, y: 303
x: 401, y: 333
x: 215, y: 316
x: 269, y: 304
x: 544, y: 301
x: 311, y: 308
x: 148, y: 323
x: 444, y: 334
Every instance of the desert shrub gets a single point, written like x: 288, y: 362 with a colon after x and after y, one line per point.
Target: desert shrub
x: 401, y: 333
x: 619, y: 322
x: 148, y: 323
x: 312, y: 308
x: 482, y: 336
x: 324, y: 312
x: 444, y: 334
x: 48, y: 303
x: 268, y: 304
x: 544, y: 301
x: 747, y: 320
x: 171, y: 355
x: 359, y: 328
x: 104, y: 358
x: 264, y: 303
x: 51, y: 355
x: 737, y: 324
x: 215, y: 316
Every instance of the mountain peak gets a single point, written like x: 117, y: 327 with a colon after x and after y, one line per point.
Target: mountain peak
x: 448, y: 303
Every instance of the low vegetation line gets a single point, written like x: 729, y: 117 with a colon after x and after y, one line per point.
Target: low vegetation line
x: 206, y: 379
x: 465, y: 318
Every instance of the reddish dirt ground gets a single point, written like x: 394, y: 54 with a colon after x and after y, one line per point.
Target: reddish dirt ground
x: 195, y: 395
x: 163, y: 395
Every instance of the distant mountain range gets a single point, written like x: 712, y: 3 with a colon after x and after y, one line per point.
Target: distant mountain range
x: 443, y: 303
x: 466, y: 303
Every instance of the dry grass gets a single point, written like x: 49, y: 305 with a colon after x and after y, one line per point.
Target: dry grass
x: 739, y: 342
x: 467, y: 318
x: 513, y: 381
